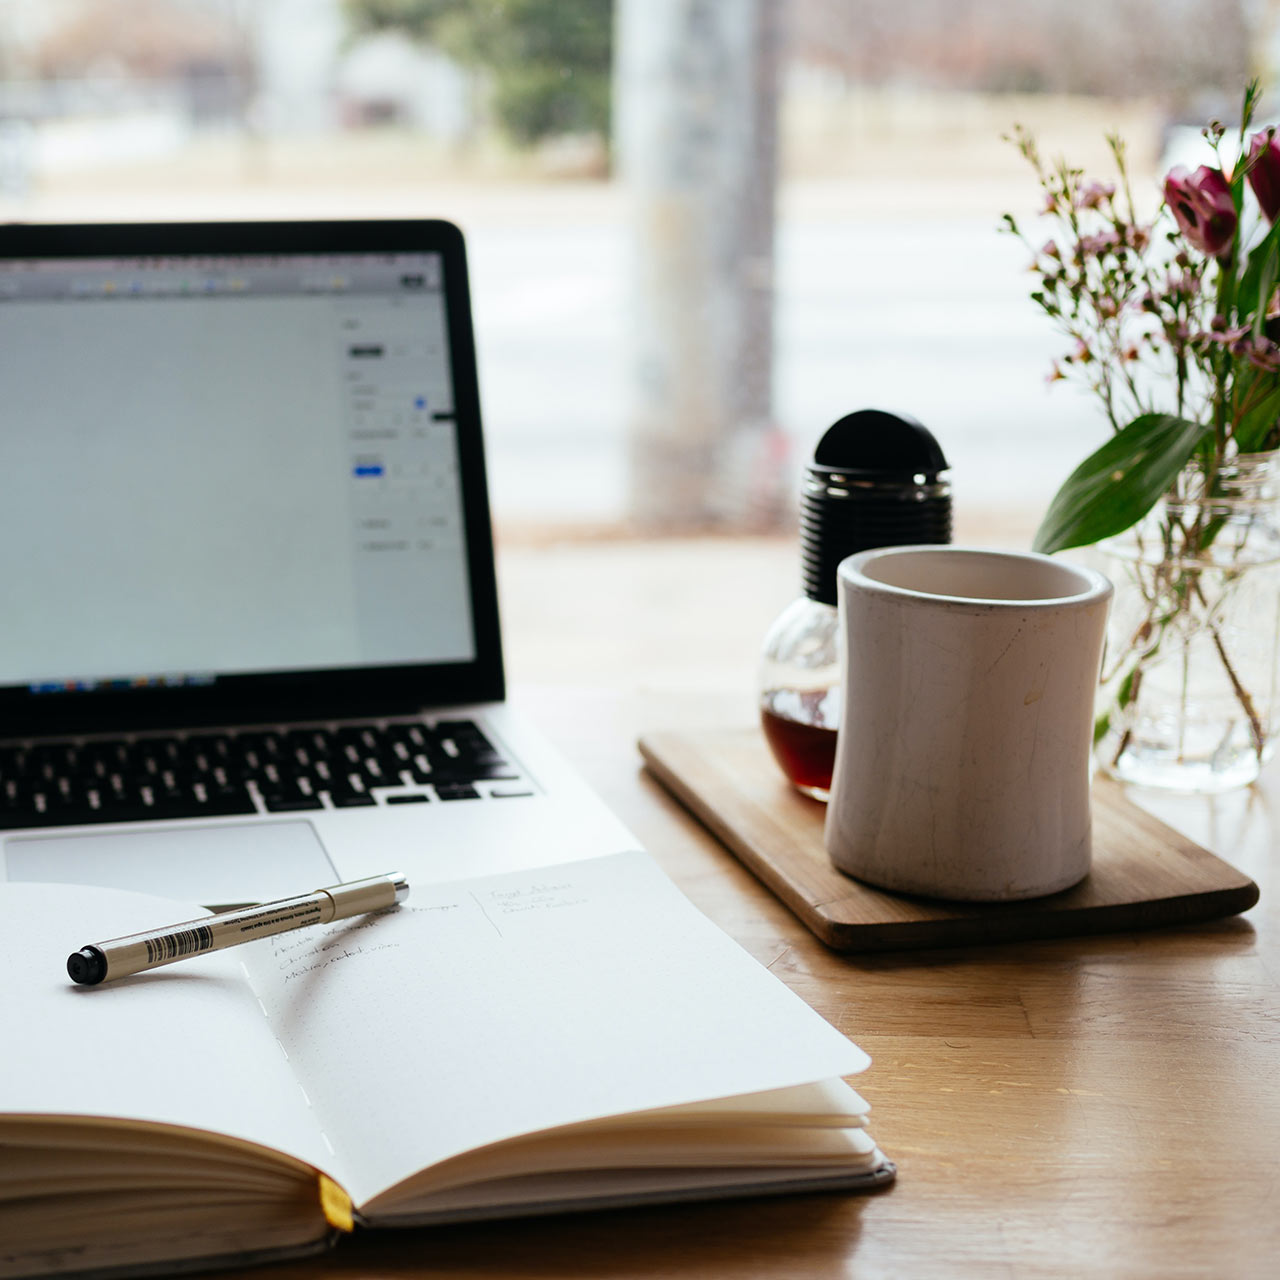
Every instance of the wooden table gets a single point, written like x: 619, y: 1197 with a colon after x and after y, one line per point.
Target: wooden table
x: 1106, y: 1106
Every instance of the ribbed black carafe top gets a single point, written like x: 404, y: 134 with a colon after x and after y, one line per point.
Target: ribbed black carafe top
x: 874, y: 482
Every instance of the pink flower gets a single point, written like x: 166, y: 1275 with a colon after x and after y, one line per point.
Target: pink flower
x: 1096, y: 245
x: 1202, y: 204
x: 1185, y: 283
x: 1264, y: 172
x: 1092, y: 194
x: 1137, y: 237
x: 1224, y: 337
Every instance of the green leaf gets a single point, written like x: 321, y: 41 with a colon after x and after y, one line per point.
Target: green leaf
x: 1237, y: 190
x: 1266, y: 283
x: 1118, y: 484
x: 1251, y: 281
x: 1257, y: 428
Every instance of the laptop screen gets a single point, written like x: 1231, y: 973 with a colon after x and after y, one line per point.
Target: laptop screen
x: 238, y: 467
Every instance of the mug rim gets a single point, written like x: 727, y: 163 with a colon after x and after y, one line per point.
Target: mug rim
x: 1095, y: 586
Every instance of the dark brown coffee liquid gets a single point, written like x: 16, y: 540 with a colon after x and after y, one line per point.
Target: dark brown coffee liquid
x: 805, y: 752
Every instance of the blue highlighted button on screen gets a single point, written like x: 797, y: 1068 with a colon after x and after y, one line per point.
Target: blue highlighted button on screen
x: 369, y: 469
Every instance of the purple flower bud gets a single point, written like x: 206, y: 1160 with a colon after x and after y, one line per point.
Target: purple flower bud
x: 1264, y: 173
x: 1202, y: 205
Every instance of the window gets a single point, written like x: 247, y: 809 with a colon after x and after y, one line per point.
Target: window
x: 699, y: 232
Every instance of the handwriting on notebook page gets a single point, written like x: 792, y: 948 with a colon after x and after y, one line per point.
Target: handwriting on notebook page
x: 535, y: 897
x: 300, y: 954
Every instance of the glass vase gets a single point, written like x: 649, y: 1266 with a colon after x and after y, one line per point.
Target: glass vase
x: 1188, y: 698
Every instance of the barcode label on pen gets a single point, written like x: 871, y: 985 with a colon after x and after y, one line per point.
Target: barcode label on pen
x: 185, y: 943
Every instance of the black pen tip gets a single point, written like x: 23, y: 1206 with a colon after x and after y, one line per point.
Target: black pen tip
x: 87, y: 966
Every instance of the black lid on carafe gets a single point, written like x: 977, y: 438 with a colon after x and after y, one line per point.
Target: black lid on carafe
x: 874, y: 482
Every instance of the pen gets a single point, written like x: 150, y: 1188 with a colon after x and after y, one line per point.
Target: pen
x: 119, y: 957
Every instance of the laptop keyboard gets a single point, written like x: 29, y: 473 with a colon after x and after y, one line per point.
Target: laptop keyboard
x: 218, y: 774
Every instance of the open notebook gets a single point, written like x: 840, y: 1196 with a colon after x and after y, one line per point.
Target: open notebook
x: 574, y: 1037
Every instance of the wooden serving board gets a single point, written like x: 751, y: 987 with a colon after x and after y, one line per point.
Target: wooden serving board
x: 1144, y: 873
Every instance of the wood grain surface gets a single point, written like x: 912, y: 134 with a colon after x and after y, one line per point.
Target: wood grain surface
x: 1100, y: 1106
x: 1144, y: 873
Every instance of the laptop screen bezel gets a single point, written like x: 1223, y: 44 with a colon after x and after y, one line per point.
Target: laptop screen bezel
x: 308, y: 695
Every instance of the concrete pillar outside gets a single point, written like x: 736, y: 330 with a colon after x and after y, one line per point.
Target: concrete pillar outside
x: 695, y: 108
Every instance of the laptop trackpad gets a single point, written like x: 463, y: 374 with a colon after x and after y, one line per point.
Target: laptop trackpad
x: 214, y: 866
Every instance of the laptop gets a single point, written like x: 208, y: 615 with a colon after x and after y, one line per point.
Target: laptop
x: 250, y: 642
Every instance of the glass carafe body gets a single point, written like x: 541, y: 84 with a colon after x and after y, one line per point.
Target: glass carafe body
x: 800, y: 693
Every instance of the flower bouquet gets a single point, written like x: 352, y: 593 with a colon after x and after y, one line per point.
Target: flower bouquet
x: 1172, y: 322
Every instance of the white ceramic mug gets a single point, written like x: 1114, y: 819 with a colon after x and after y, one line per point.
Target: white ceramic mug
x: 968, y: 679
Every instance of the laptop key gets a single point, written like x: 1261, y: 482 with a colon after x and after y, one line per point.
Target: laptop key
x: 227, y: 801
x: 463, y: 771
x: 317, y: 744
x: 263, y: 741
x: 456, y: 791
x: 498, y: 771
x: 291, y: 804
x: 376, y: 775
x: 213, y: 746
x: 466, y: 737
x: 350, y: 799
x: 291, y: 796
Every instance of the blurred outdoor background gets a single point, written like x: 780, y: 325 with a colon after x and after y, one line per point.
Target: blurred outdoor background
x: 700, y: 230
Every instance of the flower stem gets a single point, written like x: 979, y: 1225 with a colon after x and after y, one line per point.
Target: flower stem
x: 1242, y: 695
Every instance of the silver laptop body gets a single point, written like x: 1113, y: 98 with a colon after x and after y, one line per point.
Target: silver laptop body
x: 249, y: 642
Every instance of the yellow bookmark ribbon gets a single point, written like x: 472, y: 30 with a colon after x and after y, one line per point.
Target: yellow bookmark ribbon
x: 335, y: 1204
